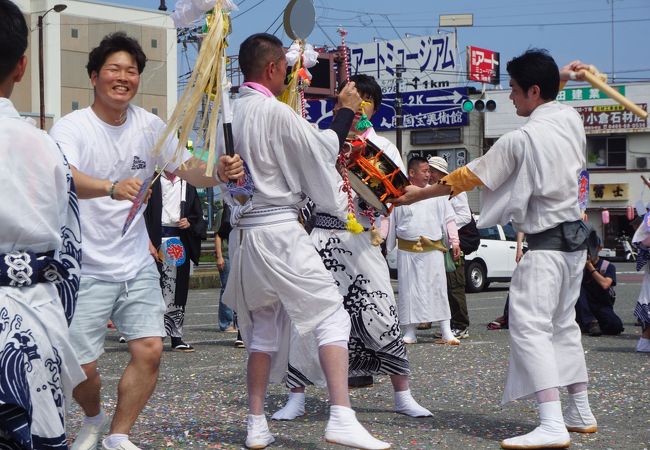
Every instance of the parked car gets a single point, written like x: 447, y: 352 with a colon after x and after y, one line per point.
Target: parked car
x: 494, y: 260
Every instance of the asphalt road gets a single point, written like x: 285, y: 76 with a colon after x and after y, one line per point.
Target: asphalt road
x: 200, y: 400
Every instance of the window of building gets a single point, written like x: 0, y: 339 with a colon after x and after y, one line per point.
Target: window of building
x: 154, y: 43
x: 74, y: 33
x: 154, y: 111
x: 75, y: 106
x: 606, y: 152
x: 436, y: 136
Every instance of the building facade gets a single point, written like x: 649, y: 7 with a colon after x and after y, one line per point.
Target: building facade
x: 69, y: 36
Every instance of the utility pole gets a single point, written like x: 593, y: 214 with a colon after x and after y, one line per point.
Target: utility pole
x: 399, y: 118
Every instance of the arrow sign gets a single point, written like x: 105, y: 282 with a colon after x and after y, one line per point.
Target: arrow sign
x: 433, y: 108
x: 454, y: 98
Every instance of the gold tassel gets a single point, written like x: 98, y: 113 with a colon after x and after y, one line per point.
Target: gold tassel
x: 290, y: 95
x: 375, y: 236
x: 418, y: 246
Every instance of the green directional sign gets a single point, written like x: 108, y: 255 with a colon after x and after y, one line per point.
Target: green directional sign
x: 584, y: 93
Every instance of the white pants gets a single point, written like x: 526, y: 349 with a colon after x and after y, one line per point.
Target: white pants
x: 422, y: 285
x: 545, y: 340
x: 270, y: 322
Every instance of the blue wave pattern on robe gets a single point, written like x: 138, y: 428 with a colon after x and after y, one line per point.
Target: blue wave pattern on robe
x: 21, y: 355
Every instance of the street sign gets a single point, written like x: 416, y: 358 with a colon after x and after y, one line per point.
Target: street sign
x: 421, y: 109
x: 430, y: 62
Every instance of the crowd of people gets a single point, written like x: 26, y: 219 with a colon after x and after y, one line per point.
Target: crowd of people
x: 310, y: 308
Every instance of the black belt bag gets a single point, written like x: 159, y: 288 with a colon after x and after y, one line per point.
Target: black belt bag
x: 565, y: 237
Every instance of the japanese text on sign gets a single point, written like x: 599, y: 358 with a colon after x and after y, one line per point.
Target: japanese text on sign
x: 430, y: 62
x: 611, y: 117
x: 584, y: 93
x: 605, y: 192
x: 482, y: 65
x: 421, y: 109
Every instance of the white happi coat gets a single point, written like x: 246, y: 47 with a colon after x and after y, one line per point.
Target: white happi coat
x: 277, y: 262
x: 422, y: 281
x: 531, y: 177
x: 361, y: 272
x: 35, y: 350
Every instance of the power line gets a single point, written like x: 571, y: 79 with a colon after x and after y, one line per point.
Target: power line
x: 518, y: 25
x: 272, y: 23
x: 252, y: 7
x: 326, y: 35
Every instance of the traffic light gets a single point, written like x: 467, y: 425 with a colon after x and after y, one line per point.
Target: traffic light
x: 479, y: 105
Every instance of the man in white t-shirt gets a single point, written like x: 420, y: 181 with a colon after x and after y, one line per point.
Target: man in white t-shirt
x: 109, y: 148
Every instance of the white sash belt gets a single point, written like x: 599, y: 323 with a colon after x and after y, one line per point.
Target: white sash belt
x: 267, y: 216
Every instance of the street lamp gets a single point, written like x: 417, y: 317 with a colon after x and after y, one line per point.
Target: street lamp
x: 41, y: 83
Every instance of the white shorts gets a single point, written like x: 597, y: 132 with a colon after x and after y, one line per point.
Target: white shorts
x: 270, y: 322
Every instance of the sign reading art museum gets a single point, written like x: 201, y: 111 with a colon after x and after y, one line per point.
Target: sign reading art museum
x: 482, y: 65
x: 430, y: 62
x: 608, y: 118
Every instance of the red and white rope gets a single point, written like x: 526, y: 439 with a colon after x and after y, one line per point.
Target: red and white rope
x: 346, y: 63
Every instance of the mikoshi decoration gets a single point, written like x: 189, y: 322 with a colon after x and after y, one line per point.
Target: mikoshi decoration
x: 343, y: 161
x: 364, y: 123
x: 208, y: 77
x: 301, y: 57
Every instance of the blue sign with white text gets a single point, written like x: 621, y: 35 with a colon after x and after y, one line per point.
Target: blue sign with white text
x: 437, y: 108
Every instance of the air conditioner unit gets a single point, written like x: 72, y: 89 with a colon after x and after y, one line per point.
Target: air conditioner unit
x: 641, y: 163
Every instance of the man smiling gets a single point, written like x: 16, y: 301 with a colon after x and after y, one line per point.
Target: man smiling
x: 109, y: 148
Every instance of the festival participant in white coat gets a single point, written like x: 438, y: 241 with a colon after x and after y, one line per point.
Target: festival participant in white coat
x: 422, y: 281
x: 361, y: 272
x: 40, y: 257
x: 530, y: 176
x: 277, y: 280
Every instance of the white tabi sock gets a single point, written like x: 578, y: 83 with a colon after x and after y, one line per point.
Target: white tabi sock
x: 551, y: 432
x: 578, y: 416
x: 445, y: 331
x: 97, y: 420
x: 343, y: 428
x: 406, y: 404
x: 114, y: 440
x: 409, y: 333
x: 258, y: 435
x: 643, y: 345
x: 295, y: 407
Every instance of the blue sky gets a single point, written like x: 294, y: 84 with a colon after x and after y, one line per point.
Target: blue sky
x: 569, y: 29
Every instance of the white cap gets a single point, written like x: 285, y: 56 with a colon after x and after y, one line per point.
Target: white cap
x: 438, y: 163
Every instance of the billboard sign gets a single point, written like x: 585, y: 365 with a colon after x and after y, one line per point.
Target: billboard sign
x: 430, y: 62
x: 482, y: 65
x: 610, y: 118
